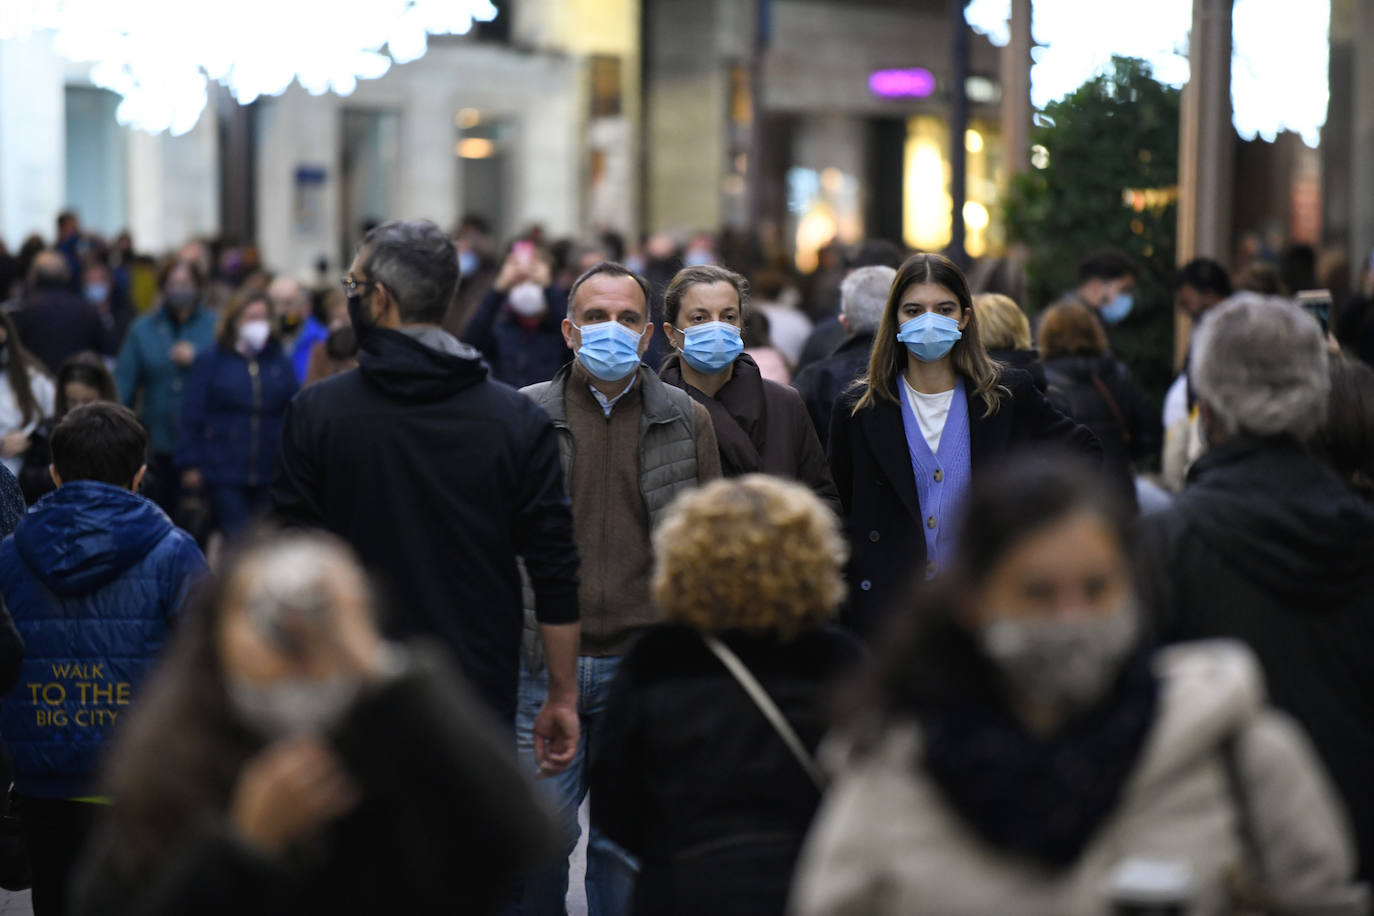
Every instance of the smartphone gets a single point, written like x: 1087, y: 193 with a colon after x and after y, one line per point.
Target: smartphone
x: 1317, y: 303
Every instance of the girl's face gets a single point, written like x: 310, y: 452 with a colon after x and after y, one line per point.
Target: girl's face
x: 920, y: 298
x: 1072, y: 567
x: 79, y: 394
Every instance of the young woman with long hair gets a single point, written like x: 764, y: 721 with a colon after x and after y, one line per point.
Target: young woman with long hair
x: 904, y: 443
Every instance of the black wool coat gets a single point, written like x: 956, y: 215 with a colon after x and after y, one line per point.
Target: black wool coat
x: 1268, y: 545
x: 883, y: 517
x: 690, y: 777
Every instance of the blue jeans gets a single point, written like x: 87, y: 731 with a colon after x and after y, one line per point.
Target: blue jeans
x: 611, y: 870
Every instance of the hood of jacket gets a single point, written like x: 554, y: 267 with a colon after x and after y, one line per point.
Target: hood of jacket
x: 1283, y: 519
x: 1208, y: 691
x: 418, y: 364
x: 85, y: 534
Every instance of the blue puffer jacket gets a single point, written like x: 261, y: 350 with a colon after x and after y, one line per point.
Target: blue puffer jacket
x: 92, y: 577
x: 232, y: 415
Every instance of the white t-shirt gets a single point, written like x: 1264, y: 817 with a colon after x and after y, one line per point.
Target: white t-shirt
x: 931, y: 410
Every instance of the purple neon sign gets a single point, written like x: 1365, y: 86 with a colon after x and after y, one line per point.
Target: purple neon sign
x: 915, y: 82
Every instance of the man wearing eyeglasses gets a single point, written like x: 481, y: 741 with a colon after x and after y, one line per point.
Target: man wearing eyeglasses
x: 440, y: 477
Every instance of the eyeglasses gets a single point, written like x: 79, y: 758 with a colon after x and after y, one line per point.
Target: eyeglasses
x: 353, y: 287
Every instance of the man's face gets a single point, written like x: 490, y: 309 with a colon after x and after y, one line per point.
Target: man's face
x: 1193, y: 301
x: 603, y: 298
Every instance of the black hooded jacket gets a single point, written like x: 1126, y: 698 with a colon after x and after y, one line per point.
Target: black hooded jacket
x: 1268, y: 545
x: 439, y: 477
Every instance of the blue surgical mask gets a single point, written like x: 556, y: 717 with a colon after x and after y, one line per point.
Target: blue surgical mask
x: 96, y: 293
x: 468, y: 262
x: 609, y: 351
x: 1116, y: 310
x: 712, y: 346
x: 929, y: 336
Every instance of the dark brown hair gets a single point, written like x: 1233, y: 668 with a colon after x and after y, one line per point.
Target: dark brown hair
x: 704, y: 275
x: 87, y: 369
x: 17, y: 370
x: 1071, y: 329
x: 226, y: 332
x: 197, y: 277
x: 969, y: 356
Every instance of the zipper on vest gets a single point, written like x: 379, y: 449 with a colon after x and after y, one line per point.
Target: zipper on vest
x: 254, y: 421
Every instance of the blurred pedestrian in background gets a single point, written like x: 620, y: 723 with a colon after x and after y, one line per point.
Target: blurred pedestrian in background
x: 1026, y: 751
x: 288, y: 760
x: 829, y: 332
x: 756, y: 333
x: 1106, y: 284
x: 93, y: 577
x: 518, y: 325
x: 1269, y: 544
x: 1091, y: 385
x: 83, y: 379
x: 232, y: 413
x: 932, y: 411
x: 1005, y: 332
x: 1346, y: 437
x: 863, y: 294
x: 628, y: 444
x: 338, y: 352
x: 155, y: 362
x: 692, y: 771
x: 1199, y: 286
x: 788, y: 326
x: 111, y: 303
x: 440, y: 478
x: 27, y: 396
x: 56, y: 322
x: 760, y: 426
x: 294, y: 324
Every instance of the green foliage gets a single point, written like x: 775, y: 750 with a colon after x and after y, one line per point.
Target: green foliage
x: 1116, y: 132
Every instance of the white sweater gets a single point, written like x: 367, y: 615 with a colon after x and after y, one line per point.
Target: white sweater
x: 12, y: 418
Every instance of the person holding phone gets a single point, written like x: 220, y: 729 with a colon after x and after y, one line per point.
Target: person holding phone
x: 519, y: 323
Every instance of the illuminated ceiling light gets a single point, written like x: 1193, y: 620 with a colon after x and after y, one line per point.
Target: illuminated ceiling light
x: 973, y: 141
x: 468, y: 118
x: 476, y: 148
x: 161, y: 56
x: 975, y: 216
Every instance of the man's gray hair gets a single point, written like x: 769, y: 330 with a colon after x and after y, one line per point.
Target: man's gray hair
x: 1260, y: 363
x: 863, y: 296
x: 418, y: 264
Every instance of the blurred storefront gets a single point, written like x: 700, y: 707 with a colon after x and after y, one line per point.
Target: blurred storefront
x: 855, y: 139
x: 527, y: 120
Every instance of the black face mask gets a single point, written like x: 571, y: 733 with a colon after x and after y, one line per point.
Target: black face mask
x: 359, y: 316
x: 289, y: 323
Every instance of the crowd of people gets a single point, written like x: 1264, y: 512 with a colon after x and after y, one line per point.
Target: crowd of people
x: 854, y: 593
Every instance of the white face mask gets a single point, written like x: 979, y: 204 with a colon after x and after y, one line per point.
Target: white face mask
x: 526, y: 299
x: 1068, y: 664
x: 292, y: 706
x: 253, y: 335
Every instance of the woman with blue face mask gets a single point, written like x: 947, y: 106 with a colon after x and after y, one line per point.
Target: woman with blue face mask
x: 905, y: 443
x: 761, y: 426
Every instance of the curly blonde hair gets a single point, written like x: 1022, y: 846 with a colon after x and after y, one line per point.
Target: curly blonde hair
x: 755, y: 553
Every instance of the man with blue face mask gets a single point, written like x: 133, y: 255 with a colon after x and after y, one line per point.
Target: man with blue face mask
x: 1106, y: 284
x: 629, y: 444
